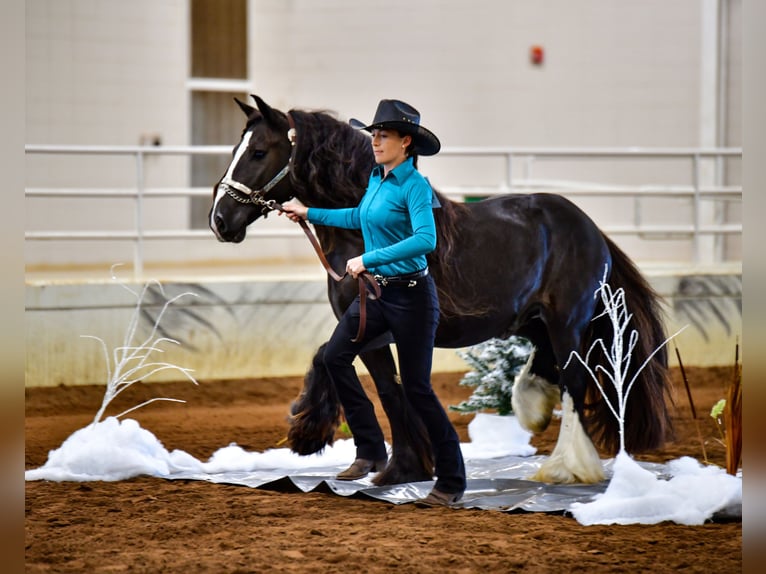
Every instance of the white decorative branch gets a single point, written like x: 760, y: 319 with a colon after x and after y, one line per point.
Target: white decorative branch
x: 132, y: 362
x: 618, y: 357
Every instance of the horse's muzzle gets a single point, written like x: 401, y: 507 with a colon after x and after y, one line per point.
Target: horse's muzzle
x: 224, y: 233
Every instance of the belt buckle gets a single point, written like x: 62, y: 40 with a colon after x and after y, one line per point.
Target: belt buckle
x: 381, y: 280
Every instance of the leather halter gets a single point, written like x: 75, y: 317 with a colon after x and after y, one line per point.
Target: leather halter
x: 258, y: 197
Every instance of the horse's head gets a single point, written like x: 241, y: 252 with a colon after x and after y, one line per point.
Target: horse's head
x: 258, y: 173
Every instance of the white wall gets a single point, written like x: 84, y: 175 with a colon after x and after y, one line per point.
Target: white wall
x: 106, y: 71
x: 625, y: 73
x: 103, y: 72
x: 616, y: 73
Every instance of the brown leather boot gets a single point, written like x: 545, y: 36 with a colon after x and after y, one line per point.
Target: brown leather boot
x: 361, y: 467
x: 439, y: 498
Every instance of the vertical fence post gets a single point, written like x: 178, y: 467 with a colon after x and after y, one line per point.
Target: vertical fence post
x: 696, y: 245
x: 530, y: 159
x: 720, y: 213
x: 138, y: 247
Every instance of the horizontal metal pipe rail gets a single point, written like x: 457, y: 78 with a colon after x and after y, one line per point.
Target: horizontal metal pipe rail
x: 696, y: 191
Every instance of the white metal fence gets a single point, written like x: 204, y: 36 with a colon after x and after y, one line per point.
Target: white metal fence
x: 706, y: 175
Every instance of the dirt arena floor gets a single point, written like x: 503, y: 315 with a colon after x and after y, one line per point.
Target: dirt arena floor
x: 154, y: 525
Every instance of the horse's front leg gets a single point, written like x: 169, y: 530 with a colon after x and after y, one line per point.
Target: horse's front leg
x: 411, y: 455
x: 315, y: 414
x: 574, y: 458
x: 534, y: 396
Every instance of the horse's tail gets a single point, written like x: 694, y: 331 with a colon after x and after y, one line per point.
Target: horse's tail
x: 315, y: 414
x: 647, y: 418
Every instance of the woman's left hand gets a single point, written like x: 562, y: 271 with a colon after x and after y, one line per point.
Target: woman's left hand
x: 355, y: 266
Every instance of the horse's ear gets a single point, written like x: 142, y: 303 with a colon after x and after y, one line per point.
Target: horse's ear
x: 244, y: 107
x: 268, y: 112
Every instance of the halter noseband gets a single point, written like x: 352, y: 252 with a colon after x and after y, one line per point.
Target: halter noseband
x: 257, y: 196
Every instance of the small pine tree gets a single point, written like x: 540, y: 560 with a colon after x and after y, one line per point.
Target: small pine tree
x: 495, y: 363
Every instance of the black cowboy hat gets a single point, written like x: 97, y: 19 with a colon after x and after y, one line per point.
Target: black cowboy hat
x: 400, y: 116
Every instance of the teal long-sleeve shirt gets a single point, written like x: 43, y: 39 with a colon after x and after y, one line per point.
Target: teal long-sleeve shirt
x: 396, y: 218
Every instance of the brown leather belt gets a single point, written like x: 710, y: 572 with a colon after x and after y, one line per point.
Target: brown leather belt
x: 408, y: 280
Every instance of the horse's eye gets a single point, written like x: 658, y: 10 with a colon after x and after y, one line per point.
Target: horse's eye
x: 259, y: 154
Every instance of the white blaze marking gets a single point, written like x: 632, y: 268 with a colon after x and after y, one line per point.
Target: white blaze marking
x: 232, y: 166
x: 238, y: 154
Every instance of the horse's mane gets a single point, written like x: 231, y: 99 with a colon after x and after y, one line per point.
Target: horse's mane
x: 331, y: 168
x: 332, y: 161
x: 441, y: 261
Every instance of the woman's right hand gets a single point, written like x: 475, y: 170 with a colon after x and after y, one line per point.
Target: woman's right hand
x: 294, y: 209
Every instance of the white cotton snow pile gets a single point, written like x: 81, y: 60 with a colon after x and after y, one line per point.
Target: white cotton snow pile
x: 636, y: 496
x: 116, y: 450
x: 494, y: 436
x: 235, y: 458
x: 109, y: 450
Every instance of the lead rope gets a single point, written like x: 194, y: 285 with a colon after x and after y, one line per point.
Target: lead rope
x: 365, y: 280
x: 368, y: 286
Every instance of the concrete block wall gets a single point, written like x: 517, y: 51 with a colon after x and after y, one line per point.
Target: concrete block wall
x: 243, y: 328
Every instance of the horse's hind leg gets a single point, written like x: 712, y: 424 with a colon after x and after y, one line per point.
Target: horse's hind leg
x: 411, y: 457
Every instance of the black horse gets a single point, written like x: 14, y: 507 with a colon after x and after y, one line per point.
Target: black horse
x: 516, y: 264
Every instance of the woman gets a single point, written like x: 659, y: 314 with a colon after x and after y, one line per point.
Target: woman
x: 396, y: 218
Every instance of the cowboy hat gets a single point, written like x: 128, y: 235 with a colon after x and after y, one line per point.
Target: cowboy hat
x: 400, y: 116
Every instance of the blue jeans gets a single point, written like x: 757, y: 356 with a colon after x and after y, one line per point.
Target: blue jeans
x: 411, y: 314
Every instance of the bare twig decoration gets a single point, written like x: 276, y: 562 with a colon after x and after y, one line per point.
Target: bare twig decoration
x: 619, y: 355
x: 733, y: 418
x: 691, y: 403
x: 132, y: 362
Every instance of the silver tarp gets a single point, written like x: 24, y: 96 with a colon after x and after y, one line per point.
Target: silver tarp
x: 493, y: 484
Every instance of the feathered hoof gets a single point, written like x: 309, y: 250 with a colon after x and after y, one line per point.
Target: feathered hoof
x: 553, y: 471
x: 534, y: 424
x: 533, y: 399
x: 305, y: 439
x: 306, y: 447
